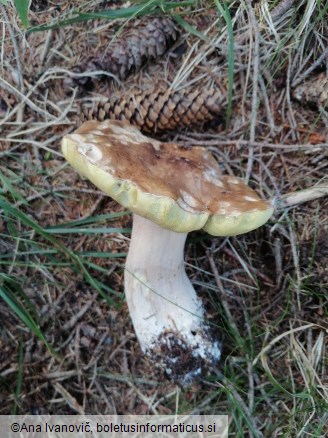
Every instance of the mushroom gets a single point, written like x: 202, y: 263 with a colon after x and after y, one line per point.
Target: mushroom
x: 171, y: 191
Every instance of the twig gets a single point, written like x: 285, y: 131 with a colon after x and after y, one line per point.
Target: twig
x: 301, y: 78
x: 195, y: 56
x: 77, y: 352
x: 267, y: 105
x: 20, y: 110
x: 16, y: 50
x: 250, y: 392
x: 301, y: 196
x: 297, y: 61
x: 238, y: 143
x: 248, y: 268
x: 293, y: 123
x: 278, y: 258
x: 296, y: 260
x: 31, y: 142
x: 149, y: 401
x: 70, y: 400
x: 25, y: 100
x: 281, y: 8
x: 256, y: 67
x: 73, y: 321
x: 46, y: 46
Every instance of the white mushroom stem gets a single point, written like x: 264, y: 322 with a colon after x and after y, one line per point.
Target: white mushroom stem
x: 160, y: 296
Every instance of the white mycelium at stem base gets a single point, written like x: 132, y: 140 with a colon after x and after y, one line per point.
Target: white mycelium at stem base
x: 167, y: 315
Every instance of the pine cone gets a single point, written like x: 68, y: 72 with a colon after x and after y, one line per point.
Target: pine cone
x: 314, y: 91
x: 160, y: 109
x: 135, y: 46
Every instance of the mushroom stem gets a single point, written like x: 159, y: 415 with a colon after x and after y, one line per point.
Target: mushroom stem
x: 167, y: 315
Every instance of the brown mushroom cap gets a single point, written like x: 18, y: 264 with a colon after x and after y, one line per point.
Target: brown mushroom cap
x: 181, y: 190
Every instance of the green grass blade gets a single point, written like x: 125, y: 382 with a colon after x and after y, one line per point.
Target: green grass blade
x: 6, y: 186
x: 23, y: 315
x: 92, y: 219
x: 107, y: 255
x: 11, y: 285
x: 99, y: 230
x: 22, y: 10
x: 127, y: 13
x: 191, y: 29
x: 78, y: 263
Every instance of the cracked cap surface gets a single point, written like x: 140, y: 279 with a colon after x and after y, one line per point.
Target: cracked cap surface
x: 179, y: 189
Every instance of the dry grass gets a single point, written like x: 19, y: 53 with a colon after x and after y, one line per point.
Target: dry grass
x: 266, y: 291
